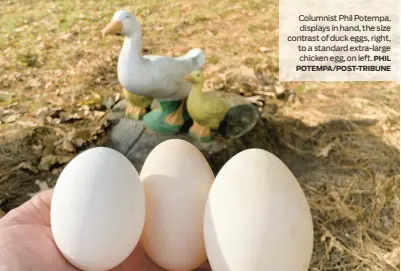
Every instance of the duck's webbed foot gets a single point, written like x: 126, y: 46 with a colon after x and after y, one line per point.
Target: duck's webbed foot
x: 168, y: 118
x: 176, y: 117
x: 137, y: 105
x: 134, y: 112
x: 200, y: 132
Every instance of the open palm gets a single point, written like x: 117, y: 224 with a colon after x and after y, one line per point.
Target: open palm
x: 26, y: 242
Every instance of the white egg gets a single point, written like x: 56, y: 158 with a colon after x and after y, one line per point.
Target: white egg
x: 177, y: 179
x: 257, y: 217
x: 98, y: 209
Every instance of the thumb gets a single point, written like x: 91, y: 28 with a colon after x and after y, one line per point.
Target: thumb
x: 34, y: 211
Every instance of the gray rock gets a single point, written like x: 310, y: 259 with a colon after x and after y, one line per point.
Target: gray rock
x: 115, y: 116
x: 131, y: 139
x: 124, y: 135
x: 148, y: 141
x: 120, y: 106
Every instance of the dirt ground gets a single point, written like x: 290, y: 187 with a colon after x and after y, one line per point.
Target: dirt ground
x: 341, y: 140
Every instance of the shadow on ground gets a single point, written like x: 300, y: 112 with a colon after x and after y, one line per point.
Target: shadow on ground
x: 299, y: 146
x: 355, y: 150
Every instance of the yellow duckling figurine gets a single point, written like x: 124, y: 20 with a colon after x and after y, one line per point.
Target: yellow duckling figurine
x: 206, y: 109
x: 232, y: 115
x: 137, y: 105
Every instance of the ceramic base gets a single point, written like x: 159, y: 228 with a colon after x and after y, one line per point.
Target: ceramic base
x: 155, y: 121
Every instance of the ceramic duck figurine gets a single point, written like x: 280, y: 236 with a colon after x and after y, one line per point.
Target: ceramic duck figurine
x: 231, y: 114
x: 137, y: 105
x: 159, y: 77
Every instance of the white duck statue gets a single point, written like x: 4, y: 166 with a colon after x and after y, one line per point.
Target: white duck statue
x: 147, y: 77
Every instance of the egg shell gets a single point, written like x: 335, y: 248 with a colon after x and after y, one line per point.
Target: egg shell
x: 98, y: 209
x: 257, y: 217
x: 177, y: 180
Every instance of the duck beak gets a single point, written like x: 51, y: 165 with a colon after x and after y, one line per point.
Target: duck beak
x: 114, y: 27
x: 188, y: 79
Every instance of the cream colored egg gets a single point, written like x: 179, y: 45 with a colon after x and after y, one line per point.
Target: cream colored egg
x: 98, y: 209
x: 177, y: 179
x: 257, y: 217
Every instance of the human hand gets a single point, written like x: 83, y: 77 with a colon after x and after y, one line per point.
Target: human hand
x: 26, y: 242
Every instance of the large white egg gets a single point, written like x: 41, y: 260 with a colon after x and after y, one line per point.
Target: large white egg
x: 177, y: 180
x: 257, y: 217
x: 98, y: 209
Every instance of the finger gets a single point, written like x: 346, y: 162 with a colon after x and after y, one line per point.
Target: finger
x: 41, y: 204
x: 35, y: 211
x: 45, y: 197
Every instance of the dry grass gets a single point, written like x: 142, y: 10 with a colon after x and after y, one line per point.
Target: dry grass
x: 341, y: 140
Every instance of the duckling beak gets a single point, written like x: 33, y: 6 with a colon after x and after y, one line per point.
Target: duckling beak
x: 114, y: 27
x: 188, y: 79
